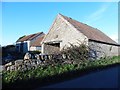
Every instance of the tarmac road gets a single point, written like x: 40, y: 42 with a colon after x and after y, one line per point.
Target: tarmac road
x: 107, y: 78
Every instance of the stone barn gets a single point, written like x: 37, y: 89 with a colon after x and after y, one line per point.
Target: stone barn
x: 66, y: 30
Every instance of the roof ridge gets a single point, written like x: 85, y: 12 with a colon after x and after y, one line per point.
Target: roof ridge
x: 77, y: 21
x: 89, y: 31
x: 34, y: 33
x: 30, y: 36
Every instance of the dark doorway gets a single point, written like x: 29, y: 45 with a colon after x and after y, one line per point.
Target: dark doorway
x: 21, y: 47
x: 51, y: 48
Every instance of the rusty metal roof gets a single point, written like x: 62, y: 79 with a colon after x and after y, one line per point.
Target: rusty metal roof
x: 37, y: 42
x: 29, y: 37
x: 90, y: 32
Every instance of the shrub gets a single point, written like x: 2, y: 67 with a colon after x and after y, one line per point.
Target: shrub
x: 42, y: 72
x: 77, y: 53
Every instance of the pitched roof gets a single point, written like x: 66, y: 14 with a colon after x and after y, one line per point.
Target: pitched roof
x: 37, y: 42
x: 90, y: 32
x: 29, y: 37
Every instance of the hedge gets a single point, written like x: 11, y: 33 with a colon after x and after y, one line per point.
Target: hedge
x: 12, y: 79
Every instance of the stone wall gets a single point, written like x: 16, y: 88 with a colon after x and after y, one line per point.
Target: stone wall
x: 103, y: 50
x: 32, y: 48
x: 35, y: 48
x: 40, y: 60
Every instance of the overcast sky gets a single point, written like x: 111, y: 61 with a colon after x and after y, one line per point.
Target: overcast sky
x: 24, y: 18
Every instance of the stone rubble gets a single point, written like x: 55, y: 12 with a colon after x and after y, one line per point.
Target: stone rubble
x: 27, y: 63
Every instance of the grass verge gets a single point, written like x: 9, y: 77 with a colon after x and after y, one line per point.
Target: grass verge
x: 51, y: 74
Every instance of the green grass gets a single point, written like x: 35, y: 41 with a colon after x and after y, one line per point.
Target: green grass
x: 23, y: 77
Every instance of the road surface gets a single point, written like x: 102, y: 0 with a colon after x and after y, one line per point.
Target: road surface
x: 107, y: 78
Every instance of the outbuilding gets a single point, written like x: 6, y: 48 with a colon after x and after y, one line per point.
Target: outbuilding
x: 65, y: 31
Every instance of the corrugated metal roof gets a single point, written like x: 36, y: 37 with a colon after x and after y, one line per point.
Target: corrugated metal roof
x: 90, y: 32
x: 37, y: 42
x: 29, y: 37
